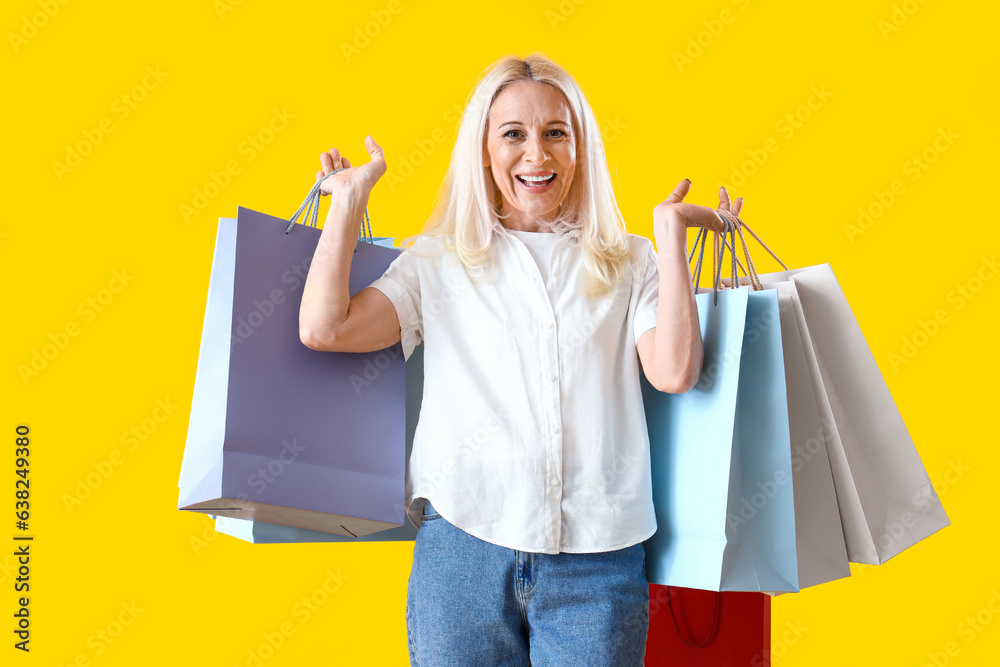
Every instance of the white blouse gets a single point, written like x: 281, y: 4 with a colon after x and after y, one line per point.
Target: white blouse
x: 532, y: 433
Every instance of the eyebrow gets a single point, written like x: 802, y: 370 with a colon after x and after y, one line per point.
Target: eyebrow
x: 551, y: 122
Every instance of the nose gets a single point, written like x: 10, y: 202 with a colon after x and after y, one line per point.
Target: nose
x: 534, y: 151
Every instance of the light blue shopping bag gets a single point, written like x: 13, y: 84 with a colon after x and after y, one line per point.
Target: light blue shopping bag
x: 721, y: 457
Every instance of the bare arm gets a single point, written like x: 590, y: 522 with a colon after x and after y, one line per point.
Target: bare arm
x: 672, y: 352
x: 329, y: 319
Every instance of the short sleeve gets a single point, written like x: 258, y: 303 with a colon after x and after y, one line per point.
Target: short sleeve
x: 644, y: 317
x: 401, y: 284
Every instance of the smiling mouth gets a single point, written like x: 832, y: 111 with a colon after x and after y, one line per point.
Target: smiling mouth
x: 536, y: 181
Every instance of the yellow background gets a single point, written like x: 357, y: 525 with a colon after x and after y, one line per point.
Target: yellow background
x: 896, y: 76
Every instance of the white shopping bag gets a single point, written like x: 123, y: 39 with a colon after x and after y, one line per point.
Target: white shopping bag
x: 886, y: 499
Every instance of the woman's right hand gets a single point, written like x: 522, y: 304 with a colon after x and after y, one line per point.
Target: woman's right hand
x: 354, y: 184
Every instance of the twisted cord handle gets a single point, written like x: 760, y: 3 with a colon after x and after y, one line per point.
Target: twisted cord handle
x: 744, y: 225
x: 752, y: 268
x: 717, y: 254
x: 310, y: 210
x: 732, y: 224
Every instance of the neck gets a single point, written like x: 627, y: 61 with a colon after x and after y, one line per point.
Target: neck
x: 522, y: 223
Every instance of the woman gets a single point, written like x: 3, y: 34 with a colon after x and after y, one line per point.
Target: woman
x: 529, y: 477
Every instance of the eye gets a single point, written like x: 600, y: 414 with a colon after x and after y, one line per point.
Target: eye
x: 508, y: 133
x: 560, y: 133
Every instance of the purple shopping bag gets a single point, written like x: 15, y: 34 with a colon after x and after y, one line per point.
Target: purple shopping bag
x: 259, y: 532
x: 278, y: 432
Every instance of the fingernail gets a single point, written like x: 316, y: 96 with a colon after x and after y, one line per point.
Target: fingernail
x: 688, y: 180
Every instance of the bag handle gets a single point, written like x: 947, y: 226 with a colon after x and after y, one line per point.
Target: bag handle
x: 752, y: 274
x: 310, y: 205
x: 718, y: 250
x: 716, y: 613
x: 731, y: 222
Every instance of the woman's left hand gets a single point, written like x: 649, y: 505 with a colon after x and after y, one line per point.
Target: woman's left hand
x: 673, y: 216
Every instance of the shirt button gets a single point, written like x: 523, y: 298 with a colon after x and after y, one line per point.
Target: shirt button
x: 554, y: 482
x: 551, y: 326
x: 553, y: 377
x: 555, y: 429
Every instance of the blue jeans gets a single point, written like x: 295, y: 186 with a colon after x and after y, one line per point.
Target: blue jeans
x: 473, y: 603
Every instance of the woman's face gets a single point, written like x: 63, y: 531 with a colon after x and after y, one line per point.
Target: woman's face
x: 529, y: 136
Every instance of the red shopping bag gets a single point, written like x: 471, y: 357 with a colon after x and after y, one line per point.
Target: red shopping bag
x: 694, y: 627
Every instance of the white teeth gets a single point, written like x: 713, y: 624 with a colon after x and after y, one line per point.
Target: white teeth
x: 537, y: 179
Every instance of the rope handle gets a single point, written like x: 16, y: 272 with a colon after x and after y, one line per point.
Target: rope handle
x: 718, y: 250
x: 732, y: 225
x: 741, y: 225
x: 716, y: 613
x: 310, y: 206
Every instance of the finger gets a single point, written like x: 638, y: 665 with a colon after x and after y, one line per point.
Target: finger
x: 337, y: 160
x: 737, y: 206
x: 679, y: 192
x: 326, y: 162
x: 724, y: 203
x: 374, y: 150
x: 347, y: 163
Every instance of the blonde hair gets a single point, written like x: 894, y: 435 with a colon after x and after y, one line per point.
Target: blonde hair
x: 466, y: 215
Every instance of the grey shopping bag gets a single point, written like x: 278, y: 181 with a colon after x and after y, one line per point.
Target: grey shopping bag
x: 886, y: 500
